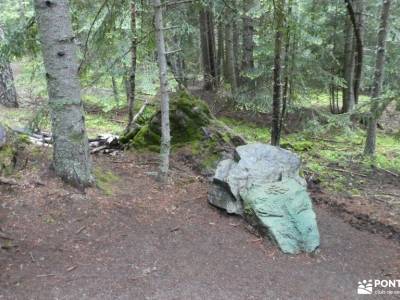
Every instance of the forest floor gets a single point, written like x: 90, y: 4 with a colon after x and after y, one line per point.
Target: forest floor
x: 133, y: 239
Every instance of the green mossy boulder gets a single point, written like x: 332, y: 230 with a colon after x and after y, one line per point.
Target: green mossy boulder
x: 188, y: 117
x: 10, y: 144
x: 193, y: 128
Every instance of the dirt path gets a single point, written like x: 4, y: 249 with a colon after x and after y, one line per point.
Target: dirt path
x: 143, y: 242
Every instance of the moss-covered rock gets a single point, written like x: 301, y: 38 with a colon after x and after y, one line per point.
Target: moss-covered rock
x: 193, y: 127
x: 188, y: 116
x: 10, y: 144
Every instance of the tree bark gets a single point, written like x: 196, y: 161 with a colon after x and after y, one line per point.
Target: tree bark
x: 229, y: 68
x: 277, y: 73
x: 235, y: 41
x: 132, y: 73
x: 115, y: 89
x: 71, y: 159
x: 207, y: 39
x: 348, y: 65
x: 221, y: 49
x: 355, y: 10
x: 248, y: 43
x: 162, y: 64
x: 8, y: 93
x: 370, y: 143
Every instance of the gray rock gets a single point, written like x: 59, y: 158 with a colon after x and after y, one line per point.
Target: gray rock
x: 220, y: 197
x: 3, y: 136
x: 263, y: 183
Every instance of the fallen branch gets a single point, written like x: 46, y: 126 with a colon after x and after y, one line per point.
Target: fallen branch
x: 140, y: 112
x: 348, y: 172
x: 8, y: 181
x: 389, y: 172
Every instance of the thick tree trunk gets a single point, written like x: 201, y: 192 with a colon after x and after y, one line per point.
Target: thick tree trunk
x: 162, y: 64
x: 132, y: 73
x: 370, y: 144
x: 207, y: 39
x: 71, y: 159
x: 348, y: 70
x: 8, y: 94
x: 248, y: 43
x: 277, y: 87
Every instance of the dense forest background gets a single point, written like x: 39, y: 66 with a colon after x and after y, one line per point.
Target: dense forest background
x: 303, y: 70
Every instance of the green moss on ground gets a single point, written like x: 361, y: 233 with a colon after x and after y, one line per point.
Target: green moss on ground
x: 105, y: 180
x: 7, y: 159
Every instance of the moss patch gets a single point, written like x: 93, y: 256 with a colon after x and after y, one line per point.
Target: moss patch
x: 188, y: 115
x: 105, y: 180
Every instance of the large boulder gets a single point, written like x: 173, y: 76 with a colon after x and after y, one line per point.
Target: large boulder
x: 263, y: 184
x: 195, y: 133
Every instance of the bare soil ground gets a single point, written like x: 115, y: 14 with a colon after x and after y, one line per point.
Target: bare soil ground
x: 137, y: 240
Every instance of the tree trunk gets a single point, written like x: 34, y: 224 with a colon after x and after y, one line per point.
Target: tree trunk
x: 229, y: 68
x: 8, y: 94
x: 221, y: 49
x: 71, y: 159
x: 132, y: 73
x: 115, y: 89
x: 207, y: 39
x: 355, y: 10
x: 277, y: 87
x: 235, y: 41
x: 287, y: 74
x: 248, y: 44
x: 370, y: 144
x: 348, y: 71
x: 162, y: 64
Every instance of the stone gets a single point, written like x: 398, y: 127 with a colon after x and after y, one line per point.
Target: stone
x: 284, y: 210
x: 263, y: 183
x: 3, y: 136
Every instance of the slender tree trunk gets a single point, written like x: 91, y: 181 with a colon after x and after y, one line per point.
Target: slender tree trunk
x: 277, y: 87
x: 221, y: 49
x: 115, y: 89
x: 355, y: 10
x: 229, y: 68
x: 348, y: 65
x: 71, y: 159
x: 370, y: 144
x: 207, y: 38
x: 333, y: 88
x: 248, y: 44
x: 8, y: 93
x: 132, y: 73
x: 287, y: 74
x: 162, y: 64
x: 236, y: 43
